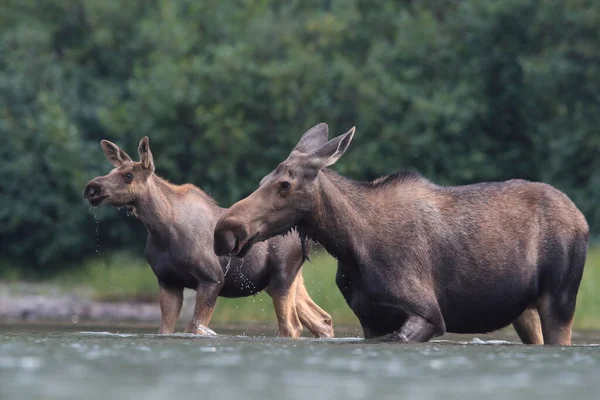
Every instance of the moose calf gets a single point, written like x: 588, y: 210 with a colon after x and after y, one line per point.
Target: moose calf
x: 180, y: 221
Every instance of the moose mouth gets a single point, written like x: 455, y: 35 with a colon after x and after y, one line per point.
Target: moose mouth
x: 96, y: 201
x: 242, y: 247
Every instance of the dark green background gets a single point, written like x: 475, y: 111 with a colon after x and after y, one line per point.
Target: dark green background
x: 459, y: 90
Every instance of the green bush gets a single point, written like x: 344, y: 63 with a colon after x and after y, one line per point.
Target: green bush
x: 460, y: 90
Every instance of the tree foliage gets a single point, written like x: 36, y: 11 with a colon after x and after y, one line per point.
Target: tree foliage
x: 460, y: 90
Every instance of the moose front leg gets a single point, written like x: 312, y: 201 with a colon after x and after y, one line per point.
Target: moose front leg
x: 170, y: 300
x: 284, y: 302
x: 311, y: 315
x: 415, y: 329
x: 407, y: 321
x: 206, y: 298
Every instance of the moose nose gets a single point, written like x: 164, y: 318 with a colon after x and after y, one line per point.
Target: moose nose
x: 92, y: 190
x: 225, y: 241
x: 229, y: 232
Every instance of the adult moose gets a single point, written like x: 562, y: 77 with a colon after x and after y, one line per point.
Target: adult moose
x: 180, y: 221
x: 416, y: 260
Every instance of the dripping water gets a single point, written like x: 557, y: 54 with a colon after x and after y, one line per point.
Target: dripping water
x: 227, y: 267
x: 97, y: 231
x: 98, y: 252
x: 246, y: 282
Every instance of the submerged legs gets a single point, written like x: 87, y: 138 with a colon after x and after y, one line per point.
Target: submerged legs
x: 529, y: 327
x: 414, y: 329
x: 206, y: 298
x: 557, y: 319
x: 170, y: 300
x: 311, y: 315
x: 284, y: 302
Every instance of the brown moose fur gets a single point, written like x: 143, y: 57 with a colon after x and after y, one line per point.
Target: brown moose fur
x: 416, y: 260
x: 180, y: 221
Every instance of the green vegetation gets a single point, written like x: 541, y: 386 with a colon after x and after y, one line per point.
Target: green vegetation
x: 117, y: 277
x: 588, y: 301
x: 459, y: 90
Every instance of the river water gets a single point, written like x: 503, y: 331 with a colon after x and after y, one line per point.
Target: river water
x: 120, y: 363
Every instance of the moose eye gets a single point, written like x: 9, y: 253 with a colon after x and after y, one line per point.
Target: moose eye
x: 128, y: 177
x: 285, y: 186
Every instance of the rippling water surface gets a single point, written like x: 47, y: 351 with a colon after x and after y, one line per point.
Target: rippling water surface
x: 94, y: 364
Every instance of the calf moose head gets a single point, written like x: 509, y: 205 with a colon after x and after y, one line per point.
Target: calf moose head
x: 127, y: 182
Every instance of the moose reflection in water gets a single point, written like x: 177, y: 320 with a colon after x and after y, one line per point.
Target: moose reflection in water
x: 416, y: 260
x: 180, y: 221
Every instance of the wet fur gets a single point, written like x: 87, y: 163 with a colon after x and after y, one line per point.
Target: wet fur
x: 180, y: 221
x: 175, y: 250
x: 469, y: 259
x: 415, y: 259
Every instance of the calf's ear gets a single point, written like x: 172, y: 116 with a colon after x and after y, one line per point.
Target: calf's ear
x: 114, y: 154
x: 146, y: 157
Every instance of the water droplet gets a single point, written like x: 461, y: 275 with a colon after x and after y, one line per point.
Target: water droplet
x: 227, y: 266
x: 97, y: 232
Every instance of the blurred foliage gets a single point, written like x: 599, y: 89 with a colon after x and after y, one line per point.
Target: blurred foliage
x: 460, y: 90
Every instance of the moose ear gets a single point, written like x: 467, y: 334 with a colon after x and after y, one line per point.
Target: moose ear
x: 113, y: 153
x: 145, y: 154
x: 313, y: 139
x: 331, y: 151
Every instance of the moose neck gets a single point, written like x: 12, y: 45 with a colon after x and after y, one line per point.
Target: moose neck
x: 340, y: 217
x: 155, y: 207
x: 165, y: 208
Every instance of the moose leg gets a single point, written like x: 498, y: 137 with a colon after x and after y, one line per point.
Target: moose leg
x: 414, y: 329
x: 206, y: 298
x: 557, y: 302
x: 170, y: 301
x: 556, y: 316
x: 311, y: 315
x: 529, y: 327
x: 284, y: 302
